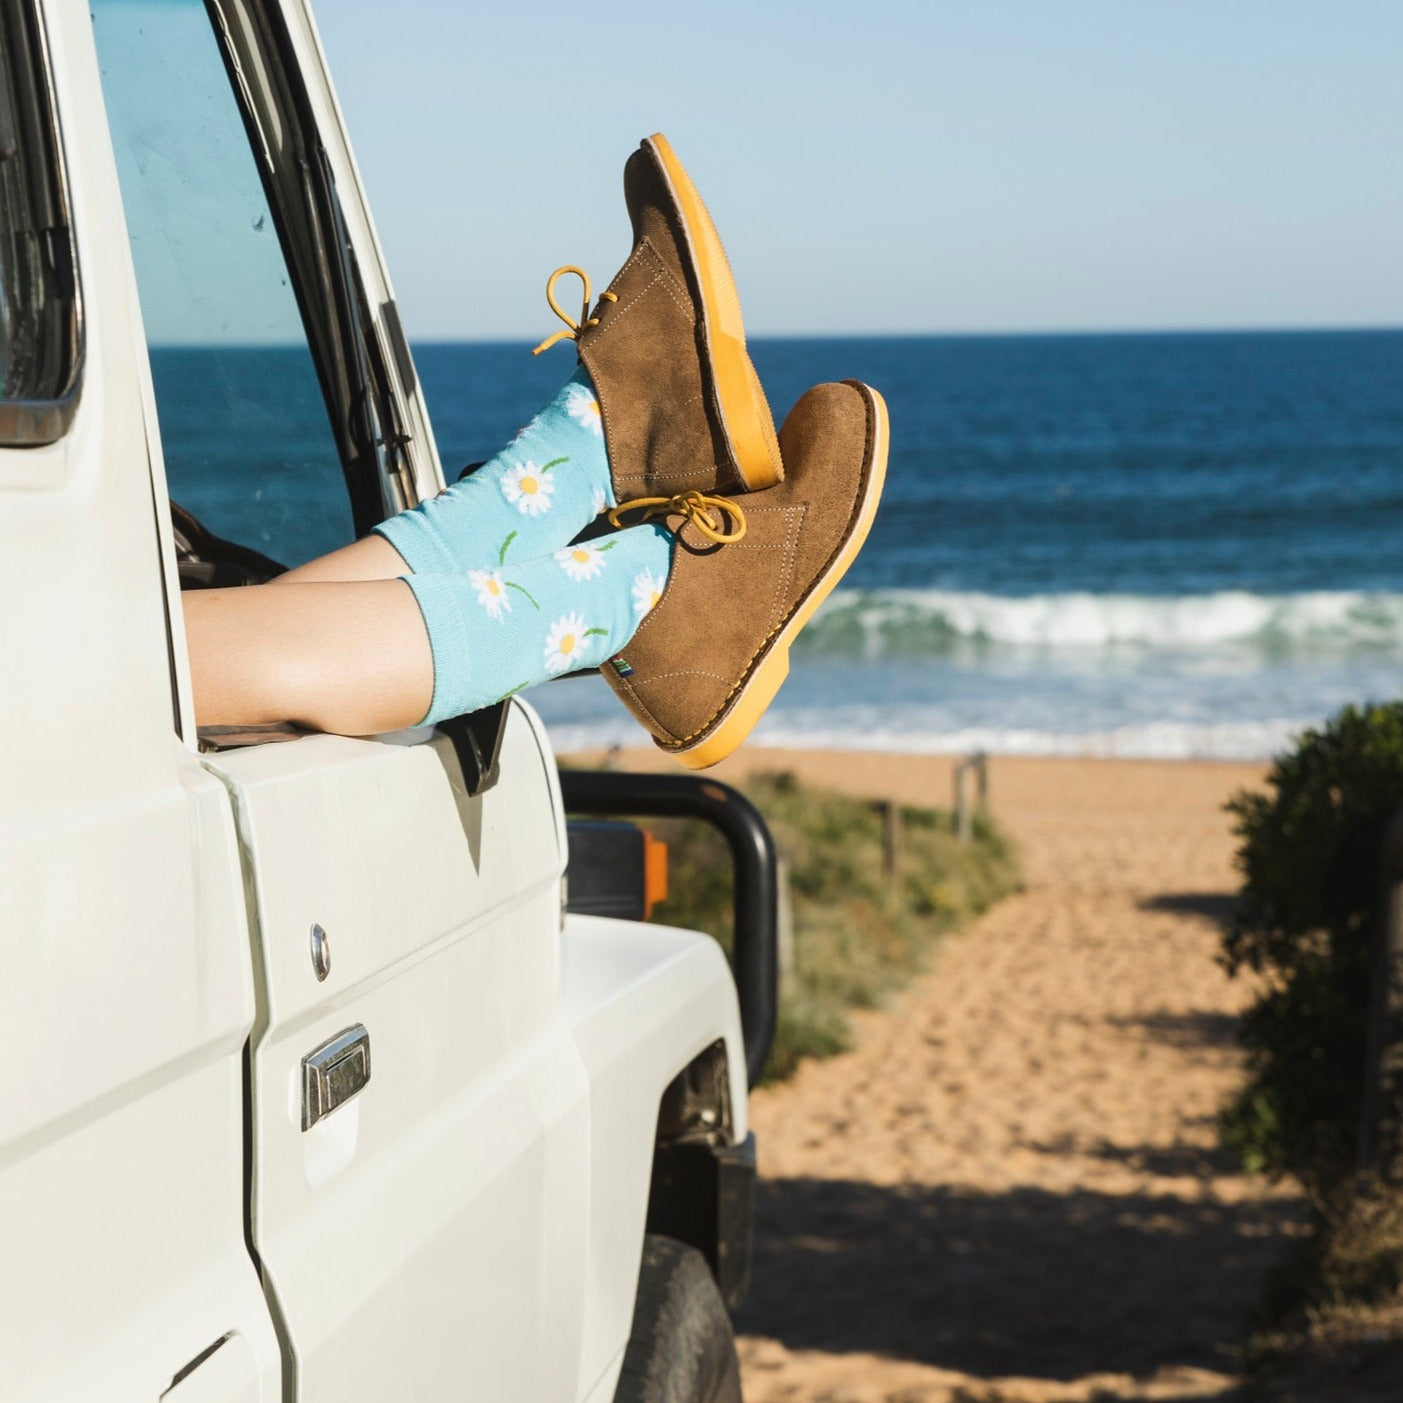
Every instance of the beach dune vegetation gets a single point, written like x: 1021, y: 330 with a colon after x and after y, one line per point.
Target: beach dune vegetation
x: 1309, y: 853
x: 859, y: 930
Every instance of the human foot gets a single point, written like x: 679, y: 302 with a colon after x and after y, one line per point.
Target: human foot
x: 708, y: 659
x: 666, y: 399
x: 533, y: 497
x: 665, y: 349
x: 497, y: 629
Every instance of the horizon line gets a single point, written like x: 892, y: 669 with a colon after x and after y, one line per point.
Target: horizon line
x: 1321, y: 329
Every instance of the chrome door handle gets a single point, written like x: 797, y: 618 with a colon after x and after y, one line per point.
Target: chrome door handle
x: 335, y: 1072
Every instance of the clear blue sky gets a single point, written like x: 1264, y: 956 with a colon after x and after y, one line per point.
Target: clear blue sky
x: 893, y: 166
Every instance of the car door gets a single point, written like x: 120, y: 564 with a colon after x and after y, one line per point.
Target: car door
x: 419, y: 1113
x: 127, y: 996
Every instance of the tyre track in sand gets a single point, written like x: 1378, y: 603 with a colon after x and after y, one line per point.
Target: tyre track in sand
x: 1010, y: 1190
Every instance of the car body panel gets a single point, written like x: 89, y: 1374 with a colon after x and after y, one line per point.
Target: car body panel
x: 469, y: 1223
x: 128, y: 994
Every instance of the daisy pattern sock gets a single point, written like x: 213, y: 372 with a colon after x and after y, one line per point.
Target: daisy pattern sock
x: 539, y: 492
x: 496, y: 630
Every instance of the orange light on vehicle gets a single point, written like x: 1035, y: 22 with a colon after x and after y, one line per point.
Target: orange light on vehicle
x: 654, y: 873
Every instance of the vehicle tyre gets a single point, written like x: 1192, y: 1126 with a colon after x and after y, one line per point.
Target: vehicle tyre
x: 681, y: 1348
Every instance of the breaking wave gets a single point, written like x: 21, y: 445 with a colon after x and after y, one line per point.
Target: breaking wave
x: 898, y: 622
x: 1160, y: 740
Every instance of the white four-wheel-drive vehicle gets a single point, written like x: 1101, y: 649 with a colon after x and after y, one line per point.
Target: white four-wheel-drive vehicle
x: 310, y: 1088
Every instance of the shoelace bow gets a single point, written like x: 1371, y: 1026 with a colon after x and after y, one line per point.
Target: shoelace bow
x: 708, y: 513
x: 573, y: 328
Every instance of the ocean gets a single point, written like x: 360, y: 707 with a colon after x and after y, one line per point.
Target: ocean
x: 1132, y: 545
x: 1136, y: 545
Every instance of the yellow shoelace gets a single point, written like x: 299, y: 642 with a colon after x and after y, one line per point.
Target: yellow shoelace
x: 573, y: 328
x: 707, y: 513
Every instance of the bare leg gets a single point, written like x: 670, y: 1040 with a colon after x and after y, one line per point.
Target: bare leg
x: 370, y: 558
x: 352, y: 658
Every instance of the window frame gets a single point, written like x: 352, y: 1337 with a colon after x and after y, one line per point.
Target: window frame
x: 368, y: 423
x: 28, y: 422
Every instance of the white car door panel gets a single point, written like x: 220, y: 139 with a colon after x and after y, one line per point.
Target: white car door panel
x: 424, y: 1237
x: 127, y: 994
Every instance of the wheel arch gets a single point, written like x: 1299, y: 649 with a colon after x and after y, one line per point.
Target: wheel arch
x: 702, y: 1187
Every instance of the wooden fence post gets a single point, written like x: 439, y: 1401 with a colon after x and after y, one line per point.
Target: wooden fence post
x: 891, y: 839
x: 784, y: 928
x: 964, y: 816
x: 1381, y: 1112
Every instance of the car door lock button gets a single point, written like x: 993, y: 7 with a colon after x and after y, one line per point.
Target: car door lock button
x: 321, y: 952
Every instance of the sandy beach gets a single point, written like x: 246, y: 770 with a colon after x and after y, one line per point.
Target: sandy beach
x: 1009, y: 1191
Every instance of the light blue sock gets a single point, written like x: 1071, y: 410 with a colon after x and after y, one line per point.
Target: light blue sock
x: 538, y: 493
x: 494, y: 631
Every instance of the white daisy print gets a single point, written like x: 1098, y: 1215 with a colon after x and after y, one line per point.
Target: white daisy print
x: 597, y: 501
x: 491, y: 591
x: 647, y: 590
x: 527, y: 488
x: 581, y: 562
x: 584, y: 409
x: 567, y: 642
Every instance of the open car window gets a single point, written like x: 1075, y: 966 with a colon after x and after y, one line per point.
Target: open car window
x: 277, y: 423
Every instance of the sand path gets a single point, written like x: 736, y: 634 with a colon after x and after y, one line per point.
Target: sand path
x: 1010, y: 1189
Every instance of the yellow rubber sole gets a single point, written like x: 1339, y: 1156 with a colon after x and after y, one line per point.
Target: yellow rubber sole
x: 745, y: 413
x: 769, y: 676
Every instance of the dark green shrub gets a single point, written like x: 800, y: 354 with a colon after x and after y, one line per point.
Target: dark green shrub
x: 1309, y: 855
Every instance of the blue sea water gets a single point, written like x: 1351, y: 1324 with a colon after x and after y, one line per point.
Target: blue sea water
x: 1131, y: 544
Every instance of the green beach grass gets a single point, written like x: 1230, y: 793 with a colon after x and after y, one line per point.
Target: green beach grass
x: 858, y: 932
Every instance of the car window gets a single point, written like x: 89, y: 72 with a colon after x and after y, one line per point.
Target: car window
x: 244, y: 427
x: 39, y: 334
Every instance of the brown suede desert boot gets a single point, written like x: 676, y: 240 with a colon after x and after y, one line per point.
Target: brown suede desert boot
x: 711, y: 654
x: 681, y: 403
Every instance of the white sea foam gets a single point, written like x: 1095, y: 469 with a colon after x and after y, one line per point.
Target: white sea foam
x: 917, y: 621
x: 1159, y: 740
x: 1231, y: 675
